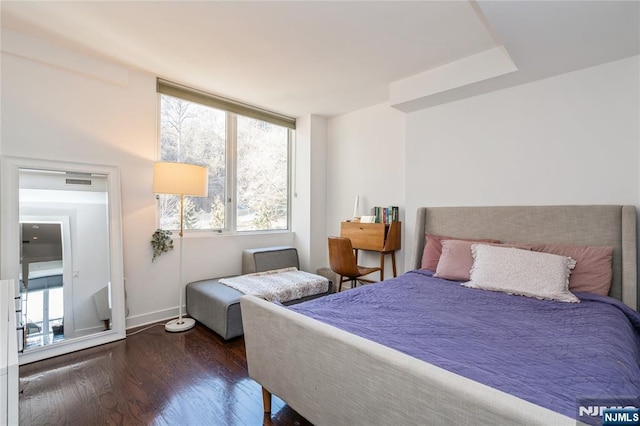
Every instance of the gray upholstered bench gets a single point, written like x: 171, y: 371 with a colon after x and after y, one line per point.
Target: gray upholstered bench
x: 218, y: 307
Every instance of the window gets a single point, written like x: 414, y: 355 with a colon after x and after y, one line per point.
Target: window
x: 246, y: 151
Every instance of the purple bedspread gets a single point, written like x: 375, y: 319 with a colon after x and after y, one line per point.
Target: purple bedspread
x: 546, y: 352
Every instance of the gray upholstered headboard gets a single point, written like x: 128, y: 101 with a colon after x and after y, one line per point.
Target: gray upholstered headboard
x: 604, y: 225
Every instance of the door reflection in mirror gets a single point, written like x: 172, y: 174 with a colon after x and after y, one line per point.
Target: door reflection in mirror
x: 41, y: 283
x: 64, y: 255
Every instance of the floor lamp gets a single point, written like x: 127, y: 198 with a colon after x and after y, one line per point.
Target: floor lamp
x: 181, y: 179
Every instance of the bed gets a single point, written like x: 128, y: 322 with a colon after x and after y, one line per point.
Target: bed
x: 334, y: 376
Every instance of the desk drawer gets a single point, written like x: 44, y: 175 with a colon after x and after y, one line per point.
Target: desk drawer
x: 364, y: 236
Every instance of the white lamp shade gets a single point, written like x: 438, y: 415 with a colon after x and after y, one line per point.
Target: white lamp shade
x: 180, y: 178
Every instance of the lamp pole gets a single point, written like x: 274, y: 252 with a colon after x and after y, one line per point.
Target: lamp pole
x: 181, y: 324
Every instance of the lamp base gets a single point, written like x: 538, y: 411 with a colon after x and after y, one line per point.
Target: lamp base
x: 178, y: 325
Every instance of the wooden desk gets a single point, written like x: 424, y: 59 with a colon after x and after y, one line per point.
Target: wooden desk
x: 380, y: 237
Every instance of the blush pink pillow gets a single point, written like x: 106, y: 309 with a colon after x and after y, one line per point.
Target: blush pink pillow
x: 456, y: 260
x: 593, y: 271
x: 433, y: 249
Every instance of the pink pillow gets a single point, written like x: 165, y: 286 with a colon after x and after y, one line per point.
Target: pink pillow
x: 593, y: 271
x: 456, y: 260
x: 433, y: 249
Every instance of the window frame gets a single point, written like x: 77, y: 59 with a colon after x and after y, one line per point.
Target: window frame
x: 230, y: 198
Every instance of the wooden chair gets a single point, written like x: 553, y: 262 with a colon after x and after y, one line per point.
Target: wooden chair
x: 343, y: 262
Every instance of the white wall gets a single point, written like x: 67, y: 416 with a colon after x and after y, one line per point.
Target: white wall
x: 366, y: 157
x: 569, y: 139
x: 573, y: 138
x: 309, y: 191
x: 74, y: 111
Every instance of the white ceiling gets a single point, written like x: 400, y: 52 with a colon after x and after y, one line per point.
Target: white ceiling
x: 328, y: 58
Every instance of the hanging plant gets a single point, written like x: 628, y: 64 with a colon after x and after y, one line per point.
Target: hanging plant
x: 161, y: 242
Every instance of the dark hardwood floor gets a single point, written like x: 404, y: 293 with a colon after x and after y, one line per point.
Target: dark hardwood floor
x: 150, y: 378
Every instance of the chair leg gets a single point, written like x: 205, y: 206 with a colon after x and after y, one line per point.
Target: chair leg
x: 340, y: 285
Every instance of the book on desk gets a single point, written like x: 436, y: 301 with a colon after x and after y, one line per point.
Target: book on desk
x: 386, y: 214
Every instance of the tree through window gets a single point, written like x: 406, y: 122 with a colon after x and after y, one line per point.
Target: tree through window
x: 222, y: 141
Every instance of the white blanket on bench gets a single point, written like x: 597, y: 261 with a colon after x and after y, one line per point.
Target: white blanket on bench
x: 279, y: 285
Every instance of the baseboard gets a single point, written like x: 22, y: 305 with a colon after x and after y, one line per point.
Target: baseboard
x: 153, y: 317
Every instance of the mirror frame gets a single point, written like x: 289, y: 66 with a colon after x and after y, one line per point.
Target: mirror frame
x: 10, y: 247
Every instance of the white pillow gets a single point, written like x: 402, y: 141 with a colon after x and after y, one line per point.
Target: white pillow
x: 522, y: 272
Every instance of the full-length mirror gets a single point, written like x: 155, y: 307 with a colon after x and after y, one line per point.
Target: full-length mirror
x: 63, y: 246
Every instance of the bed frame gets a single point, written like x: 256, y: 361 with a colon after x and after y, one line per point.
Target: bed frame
x: 333, y: 377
